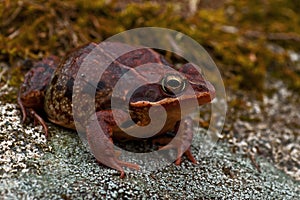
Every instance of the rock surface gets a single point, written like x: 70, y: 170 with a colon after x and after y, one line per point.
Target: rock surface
x: 62, y: 168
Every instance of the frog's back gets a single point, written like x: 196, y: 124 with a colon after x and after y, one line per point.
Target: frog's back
x: 58, y: 99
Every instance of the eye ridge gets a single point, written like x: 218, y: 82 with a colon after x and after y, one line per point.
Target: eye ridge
x: 173, y: 84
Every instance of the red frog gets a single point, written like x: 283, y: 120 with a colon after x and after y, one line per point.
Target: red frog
x: 49, y: 85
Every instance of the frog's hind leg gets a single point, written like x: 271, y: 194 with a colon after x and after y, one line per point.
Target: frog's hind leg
x: 99, y: 136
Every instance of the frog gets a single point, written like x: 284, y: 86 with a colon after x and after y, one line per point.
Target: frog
x: 48, y: 88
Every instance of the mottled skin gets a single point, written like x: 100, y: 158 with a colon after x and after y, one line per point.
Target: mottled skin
x: 55, y: 97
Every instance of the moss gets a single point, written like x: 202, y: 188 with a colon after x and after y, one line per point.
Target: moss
x: 33, y: 29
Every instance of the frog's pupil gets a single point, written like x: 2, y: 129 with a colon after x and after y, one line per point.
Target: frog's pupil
x: 173, y: 83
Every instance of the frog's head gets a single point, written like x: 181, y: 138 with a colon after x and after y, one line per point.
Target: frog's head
x: 170, y: 91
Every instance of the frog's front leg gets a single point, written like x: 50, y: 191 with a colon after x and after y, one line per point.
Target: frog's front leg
x: 182, y: 141
x: 101, y: 143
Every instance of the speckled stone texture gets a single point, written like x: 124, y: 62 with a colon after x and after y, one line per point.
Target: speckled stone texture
x: 62, y: 168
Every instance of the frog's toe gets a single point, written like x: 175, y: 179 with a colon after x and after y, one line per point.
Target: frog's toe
x: 188, y: 154
x: 129, y: 165
x: 39, y: 119
x: 118, y: 165
x: 180, y: 153
x: 23, y: 110
x: 114, y: 163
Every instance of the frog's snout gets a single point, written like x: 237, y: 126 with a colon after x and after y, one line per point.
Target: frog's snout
x: 211, y: 90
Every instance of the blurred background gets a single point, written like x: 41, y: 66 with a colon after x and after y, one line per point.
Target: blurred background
x: 255, y: 44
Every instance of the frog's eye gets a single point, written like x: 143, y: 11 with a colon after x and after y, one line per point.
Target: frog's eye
x: 173, y: 84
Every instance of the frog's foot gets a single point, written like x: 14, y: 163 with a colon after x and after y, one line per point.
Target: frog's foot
x: 117, y: 164
x: 36, y: 117
x: 39, y: 119
x: 182, y: 141
x: 180, y: 152
x: 101, y: 144
x: 23, y: 110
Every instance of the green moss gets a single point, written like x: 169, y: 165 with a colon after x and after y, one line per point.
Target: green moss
x: 33, y: 29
